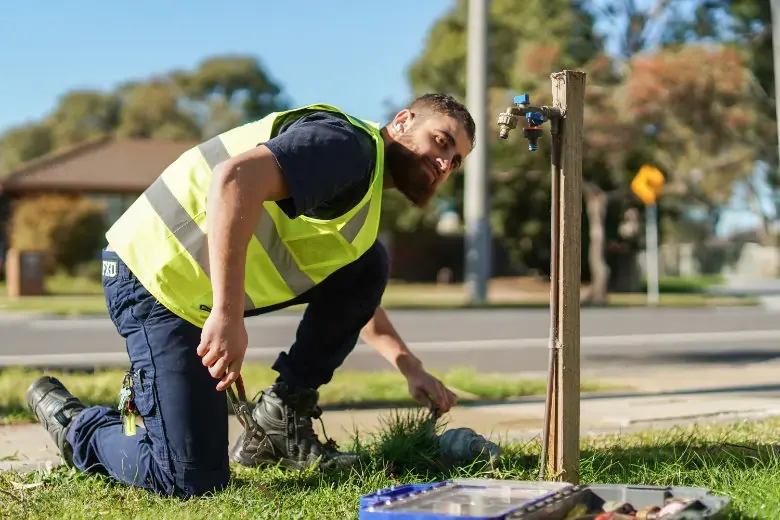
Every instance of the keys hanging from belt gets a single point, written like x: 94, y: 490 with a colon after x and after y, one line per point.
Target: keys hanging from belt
x: 127, y: 405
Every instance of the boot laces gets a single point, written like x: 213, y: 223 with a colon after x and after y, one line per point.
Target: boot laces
x: 303, y: 421
x: 305, y: 426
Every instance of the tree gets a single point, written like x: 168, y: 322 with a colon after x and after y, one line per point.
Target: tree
x: 221, y: 92
x: 24, y: 143
x: 235, y: 83
x: 639, y: 26
x: 151, y: 111
x: 525, y: 45
x: 606, y: 175
x: 748, y: 24
x: 634, y: 29
x: 82, y: 115
x: 68, y: 228
x: 706, y: 120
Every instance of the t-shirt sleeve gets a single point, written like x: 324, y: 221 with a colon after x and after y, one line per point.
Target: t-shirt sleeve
x: 320, y: 155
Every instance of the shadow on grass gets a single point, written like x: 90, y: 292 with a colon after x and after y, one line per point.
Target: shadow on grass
x: 403, y: 451
x: 746, y: 474
x: 731, y: 460
x: 727, y: 470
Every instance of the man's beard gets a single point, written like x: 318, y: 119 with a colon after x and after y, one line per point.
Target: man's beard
x: 410, y: 176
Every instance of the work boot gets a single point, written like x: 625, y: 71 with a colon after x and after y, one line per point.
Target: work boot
x: 288, y: 436
x: 55, y: 408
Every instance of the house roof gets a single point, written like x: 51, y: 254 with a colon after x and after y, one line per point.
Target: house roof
x: 109, y: 165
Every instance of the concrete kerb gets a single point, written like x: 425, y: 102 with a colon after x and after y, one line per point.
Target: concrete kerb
x: 29, y: 466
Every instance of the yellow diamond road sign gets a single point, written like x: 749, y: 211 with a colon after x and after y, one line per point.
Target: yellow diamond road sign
x: 648, y: 183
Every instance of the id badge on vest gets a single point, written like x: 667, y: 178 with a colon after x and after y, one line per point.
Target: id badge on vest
x: 110, y: 268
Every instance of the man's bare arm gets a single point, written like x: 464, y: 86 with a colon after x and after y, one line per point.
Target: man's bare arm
x: 239, y: 187
x: 380, y: 334
x: 426, y: 389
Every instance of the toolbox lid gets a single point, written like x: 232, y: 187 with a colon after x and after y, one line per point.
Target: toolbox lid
x: 473, y: 499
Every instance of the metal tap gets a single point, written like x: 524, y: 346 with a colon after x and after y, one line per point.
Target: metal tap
x: 535, y: 118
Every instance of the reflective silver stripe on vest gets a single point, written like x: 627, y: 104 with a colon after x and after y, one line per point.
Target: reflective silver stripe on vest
x: 214, y: 152
x: 189, y: 234
x: 299, y: 282
x: 266, y: 233
x: 351, y: 229
x: 179, y: 222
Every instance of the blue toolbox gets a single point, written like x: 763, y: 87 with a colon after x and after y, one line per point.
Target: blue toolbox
x: 487, y: 499
x: 475, y: 499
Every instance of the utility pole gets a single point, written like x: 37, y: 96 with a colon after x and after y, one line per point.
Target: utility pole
x: 776, y: 59
x: 478, y: 240
x: 648, y: 184
x: 651, y: 253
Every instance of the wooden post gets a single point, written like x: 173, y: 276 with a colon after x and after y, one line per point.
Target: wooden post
x: 563, y: 430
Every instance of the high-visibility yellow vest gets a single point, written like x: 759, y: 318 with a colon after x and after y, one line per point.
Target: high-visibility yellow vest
x: 162, y: 237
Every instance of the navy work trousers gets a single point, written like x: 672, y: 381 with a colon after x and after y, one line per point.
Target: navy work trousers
x: 182, y: 450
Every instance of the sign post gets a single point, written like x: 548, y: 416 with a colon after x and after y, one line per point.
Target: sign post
x: 647, y: 185
x: 561, y: 443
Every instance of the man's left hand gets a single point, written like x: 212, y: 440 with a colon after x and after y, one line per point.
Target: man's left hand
x: 430, y: 391
x: 424, y: 388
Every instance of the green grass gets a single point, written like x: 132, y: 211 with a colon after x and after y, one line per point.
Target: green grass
x: 685, y: 284
x: 738, y: 460
x: 348, y: 388
x: 679, y: 300
x: 67, y: 296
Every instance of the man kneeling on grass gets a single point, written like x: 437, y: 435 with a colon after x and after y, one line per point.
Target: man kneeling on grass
x: 274, y: 213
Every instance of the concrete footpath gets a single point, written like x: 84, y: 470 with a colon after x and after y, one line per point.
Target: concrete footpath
x: 662, y: 399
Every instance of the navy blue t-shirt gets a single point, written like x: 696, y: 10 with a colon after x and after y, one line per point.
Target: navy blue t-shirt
x: 327, y: 163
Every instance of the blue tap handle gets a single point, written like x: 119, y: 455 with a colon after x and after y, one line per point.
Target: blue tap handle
x: 522, y: 99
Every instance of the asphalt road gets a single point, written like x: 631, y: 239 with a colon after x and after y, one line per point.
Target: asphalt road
x: 491, y: 340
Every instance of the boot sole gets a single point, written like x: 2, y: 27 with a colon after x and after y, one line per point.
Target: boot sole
x: 34, y: 396
x: 36, y: 393
x: 257, y: 462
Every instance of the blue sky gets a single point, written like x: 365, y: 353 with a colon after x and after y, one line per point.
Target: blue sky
x: 350, y: 53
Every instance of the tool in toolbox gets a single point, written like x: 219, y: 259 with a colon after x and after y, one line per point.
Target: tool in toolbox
x: 487, y: 499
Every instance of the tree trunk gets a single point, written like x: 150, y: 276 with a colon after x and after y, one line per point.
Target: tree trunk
x: 596, y: 206
x: 764, y: 231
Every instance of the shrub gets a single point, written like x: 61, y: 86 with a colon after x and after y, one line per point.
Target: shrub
x: 70, y: 229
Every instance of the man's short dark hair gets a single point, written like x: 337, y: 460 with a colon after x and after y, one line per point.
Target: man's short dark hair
x: 448, y: 105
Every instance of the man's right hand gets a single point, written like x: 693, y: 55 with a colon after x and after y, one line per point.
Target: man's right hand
x: 223, y: 343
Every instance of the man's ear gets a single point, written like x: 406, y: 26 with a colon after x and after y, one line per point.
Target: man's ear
x: 404, y: 117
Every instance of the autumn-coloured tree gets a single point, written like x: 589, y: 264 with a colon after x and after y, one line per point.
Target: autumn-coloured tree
x: 525, y: 45
x: 608, y: 146
x: 699, y: 104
